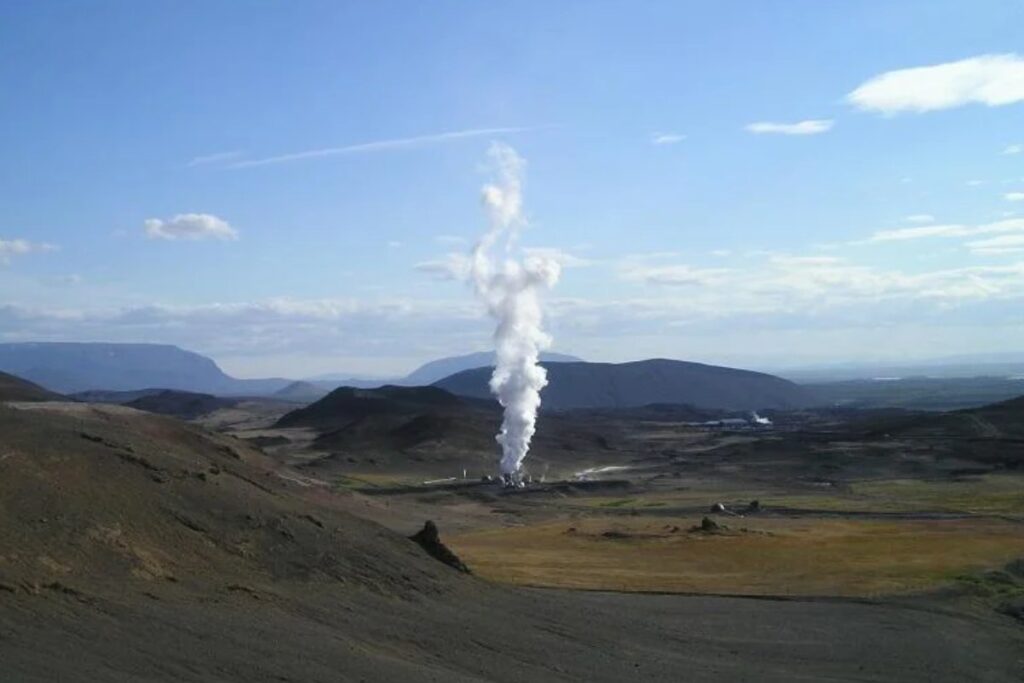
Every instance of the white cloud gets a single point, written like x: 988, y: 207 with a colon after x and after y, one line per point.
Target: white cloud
x: 380, y: 145
x: 810, y: 127
x: 190, y: 226
x: 804, y: 294
x: 903, y: 234
x: 992, y: 80
x: 950, y: 230
x: 1014, y: 196
x: 216, y: 158
x: 395, y: 244
x: 1004, y: 244
x: 560, y: 256
x: 1014, y: 149
x: 975, y: 183
x: 781, y: 285
x: 20, y: 247
x: 919, y: 218
x: 454, y: 266
x: 787, y: 260
x: 667, y: 138
x: 673, y: 275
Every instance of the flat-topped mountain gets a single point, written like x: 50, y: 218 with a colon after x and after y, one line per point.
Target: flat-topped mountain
x: 76, y: 367
x: 640, y: 383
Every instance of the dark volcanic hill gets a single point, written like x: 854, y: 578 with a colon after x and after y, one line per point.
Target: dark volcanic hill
x: 393, y: 420
x: 115, y: 397
x: 184, y: 404
x: 640, y: 383
x: 17, y: 389
x: 996, y: 421
x: 76, y: 367
x: 346, y: 404
x: 406, y: 425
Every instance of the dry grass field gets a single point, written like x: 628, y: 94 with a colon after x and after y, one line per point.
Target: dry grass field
x: 755, y: 556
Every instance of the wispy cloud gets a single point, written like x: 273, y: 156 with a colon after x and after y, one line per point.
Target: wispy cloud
x: 780, y: 284
x: 217, y: 158
x: 809, y: 127
x: 380, y: 145
x: 675, y: 275
x: 994, y: 246
x: 992, y: 80
x: 190, y: 226
x: 1013, y: 149
x: 20, y: 247
x: 1014, y: 196
x: 920, y: 218
x: 947, y: 230
x: 454, y: 266
x: 667, y: 138
x: 560, y: 256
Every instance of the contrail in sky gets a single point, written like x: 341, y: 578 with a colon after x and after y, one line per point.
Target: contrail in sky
x: 379, y: 146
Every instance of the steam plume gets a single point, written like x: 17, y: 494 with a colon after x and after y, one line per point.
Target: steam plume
x: 510, y: 287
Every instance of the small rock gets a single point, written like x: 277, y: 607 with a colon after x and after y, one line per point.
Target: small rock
x: 429, y: 539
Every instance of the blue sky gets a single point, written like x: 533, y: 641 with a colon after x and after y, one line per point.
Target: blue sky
x: 323, y: 159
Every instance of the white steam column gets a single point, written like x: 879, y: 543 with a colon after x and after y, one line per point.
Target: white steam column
x: 510, y: 287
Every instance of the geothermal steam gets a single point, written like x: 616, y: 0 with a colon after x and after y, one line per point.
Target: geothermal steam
x: 510, y: 284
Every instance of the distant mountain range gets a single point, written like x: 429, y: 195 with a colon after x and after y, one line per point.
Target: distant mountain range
x: 428, y: 373
x: 75, y: 367
x: 628, y: 385
x: 72, y: 367
x: 91, y: 371
x: 1002, y: 365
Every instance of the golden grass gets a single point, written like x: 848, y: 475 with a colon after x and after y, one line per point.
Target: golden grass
x: 989, y: 494
x: 776, y: 557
